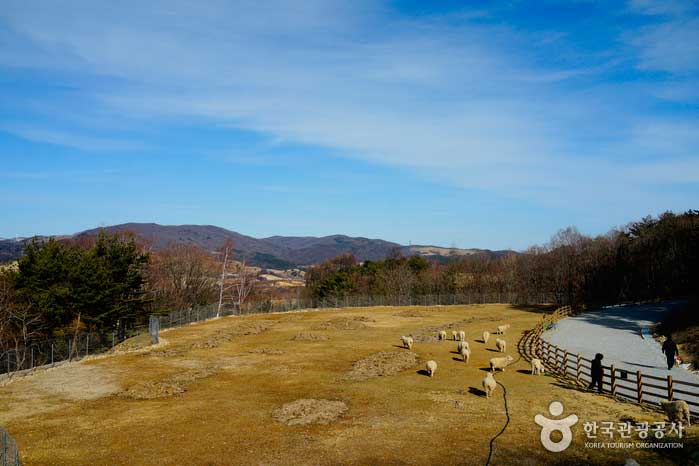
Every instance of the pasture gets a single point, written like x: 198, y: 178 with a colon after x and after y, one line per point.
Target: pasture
x: 310, y: 388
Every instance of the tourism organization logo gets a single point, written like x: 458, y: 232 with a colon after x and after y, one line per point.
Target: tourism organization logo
x: 607, y: 434
x: 549, y: 426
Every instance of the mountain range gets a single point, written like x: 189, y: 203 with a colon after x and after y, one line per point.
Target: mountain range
x: 278, y: 252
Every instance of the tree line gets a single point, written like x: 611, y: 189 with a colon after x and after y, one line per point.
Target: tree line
x: 109, y: 283
x: 653, y: 257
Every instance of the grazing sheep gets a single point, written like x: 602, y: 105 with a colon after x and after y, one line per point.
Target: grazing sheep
x: 501, y: 345
x: 453, y: 334
x: 500, y: 363
x: 489, y: 385
x: 407, y: 342
x: 462, y: 335
x: 462, y: 345
x: 537, y: 367
x: 676, y: 410
x: 442, y: 335
x: 465, y: 353
x: 431, y: 367
x: 486, y: 336
x: 503, y: 328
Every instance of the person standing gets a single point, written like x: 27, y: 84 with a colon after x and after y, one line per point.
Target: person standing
x: 597, y: 372
x: 671, y: 351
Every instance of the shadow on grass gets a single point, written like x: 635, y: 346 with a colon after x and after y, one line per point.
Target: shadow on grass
x: 423, y: 372
x: 476, y: 391
x: 493, y: 350
x: 536, y: 308
x: 458, y: 359
x: 524, y: 371
x: 399, y: 346
x: 484, y: 369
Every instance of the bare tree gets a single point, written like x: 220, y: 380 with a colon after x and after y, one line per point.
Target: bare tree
x: 243, y: 283
x: 18, y: 325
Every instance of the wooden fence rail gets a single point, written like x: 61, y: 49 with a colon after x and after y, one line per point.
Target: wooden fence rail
x: 621, y: 383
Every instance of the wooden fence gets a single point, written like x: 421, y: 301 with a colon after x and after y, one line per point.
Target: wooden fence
x: 634, y: 386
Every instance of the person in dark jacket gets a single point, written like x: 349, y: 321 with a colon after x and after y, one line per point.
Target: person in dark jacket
x: 597, y: 372
x: 670, y: 350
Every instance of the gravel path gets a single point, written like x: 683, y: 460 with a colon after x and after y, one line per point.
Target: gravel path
x: 617, y: 333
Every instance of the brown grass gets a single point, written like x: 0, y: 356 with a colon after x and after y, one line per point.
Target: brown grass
x: 187, y: 404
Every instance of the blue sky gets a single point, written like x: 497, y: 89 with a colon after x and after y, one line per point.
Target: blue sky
x: 455, y: 123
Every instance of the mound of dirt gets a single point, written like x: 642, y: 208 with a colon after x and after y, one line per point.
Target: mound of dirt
x: 226, y: 335
x: 175, y: 384
x: 382, y: 364
x: 266, y: 350
x: 150, y: 390
x: 344, y: 323
x: 412, y: 313
x: 309, y: 411
x: 305, y: 336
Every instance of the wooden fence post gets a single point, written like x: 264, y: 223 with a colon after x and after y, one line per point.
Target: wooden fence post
x: 670, y: 392
x: 639, y: 386
x: 613, y: 380
x: 578, y: 369
x: 565, y: 363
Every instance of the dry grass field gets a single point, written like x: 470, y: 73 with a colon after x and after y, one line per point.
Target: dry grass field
x: 309, y: 388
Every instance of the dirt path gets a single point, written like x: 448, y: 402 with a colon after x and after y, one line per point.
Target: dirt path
x: 616, y: 332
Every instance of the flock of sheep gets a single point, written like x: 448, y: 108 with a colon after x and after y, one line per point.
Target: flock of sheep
x: 464, y: 350
x: 676, y: 410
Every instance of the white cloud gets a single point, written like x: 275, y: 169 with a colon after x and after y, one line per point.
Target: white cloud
x: 460, y: 103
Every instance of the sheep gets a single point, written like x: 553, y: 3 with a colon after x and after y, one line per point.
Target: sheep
x: 503, y: 328
x: 500, y: 363
x: 407, y: 342
x: 431, y: 367
x: 453, y: 334
x: 442, y: 335
x: 465, y: 353
x: 462, y: 345
x: 489, y: 385
x: 501, y: 345
x: 462, y: 335
x: 676, y: 410
x: 537, y: 367
x: 486, y: 336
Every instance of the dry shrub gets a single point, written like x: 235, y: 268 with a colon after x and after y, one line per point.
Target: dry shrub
x: 382, y: 364
x: 344, y: 323
x: 309, y: 411
x: 305, y: 336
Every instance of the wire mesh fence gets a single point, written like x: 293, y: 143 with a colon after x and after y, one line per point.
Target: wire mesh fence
x: 187, y: 316
x: 9, y: 453
x: 46, y: 353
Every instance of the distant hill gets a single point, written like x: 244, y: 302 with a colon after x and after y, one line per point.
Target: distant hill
x: 278, y: 252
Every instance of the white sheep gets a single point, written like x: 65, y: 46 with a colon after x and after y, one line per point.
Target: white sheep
x: 489, y: 385
x: 431, y: 367
x: 501, y: 345
x: 453, y: 334
x: 500, y: 363
x: 462, y: 335
x: 676, y: 410
x: 462, y: 345
x: 465, y: 353
x: 503, y: 328
x: 537, y: 367
x: 407, y: 342
x: 486, y: 336
x: 442, y: 335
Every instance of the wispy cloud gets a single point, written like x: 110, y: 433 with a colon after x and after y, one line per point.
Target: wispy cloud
x: 455, y: 97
